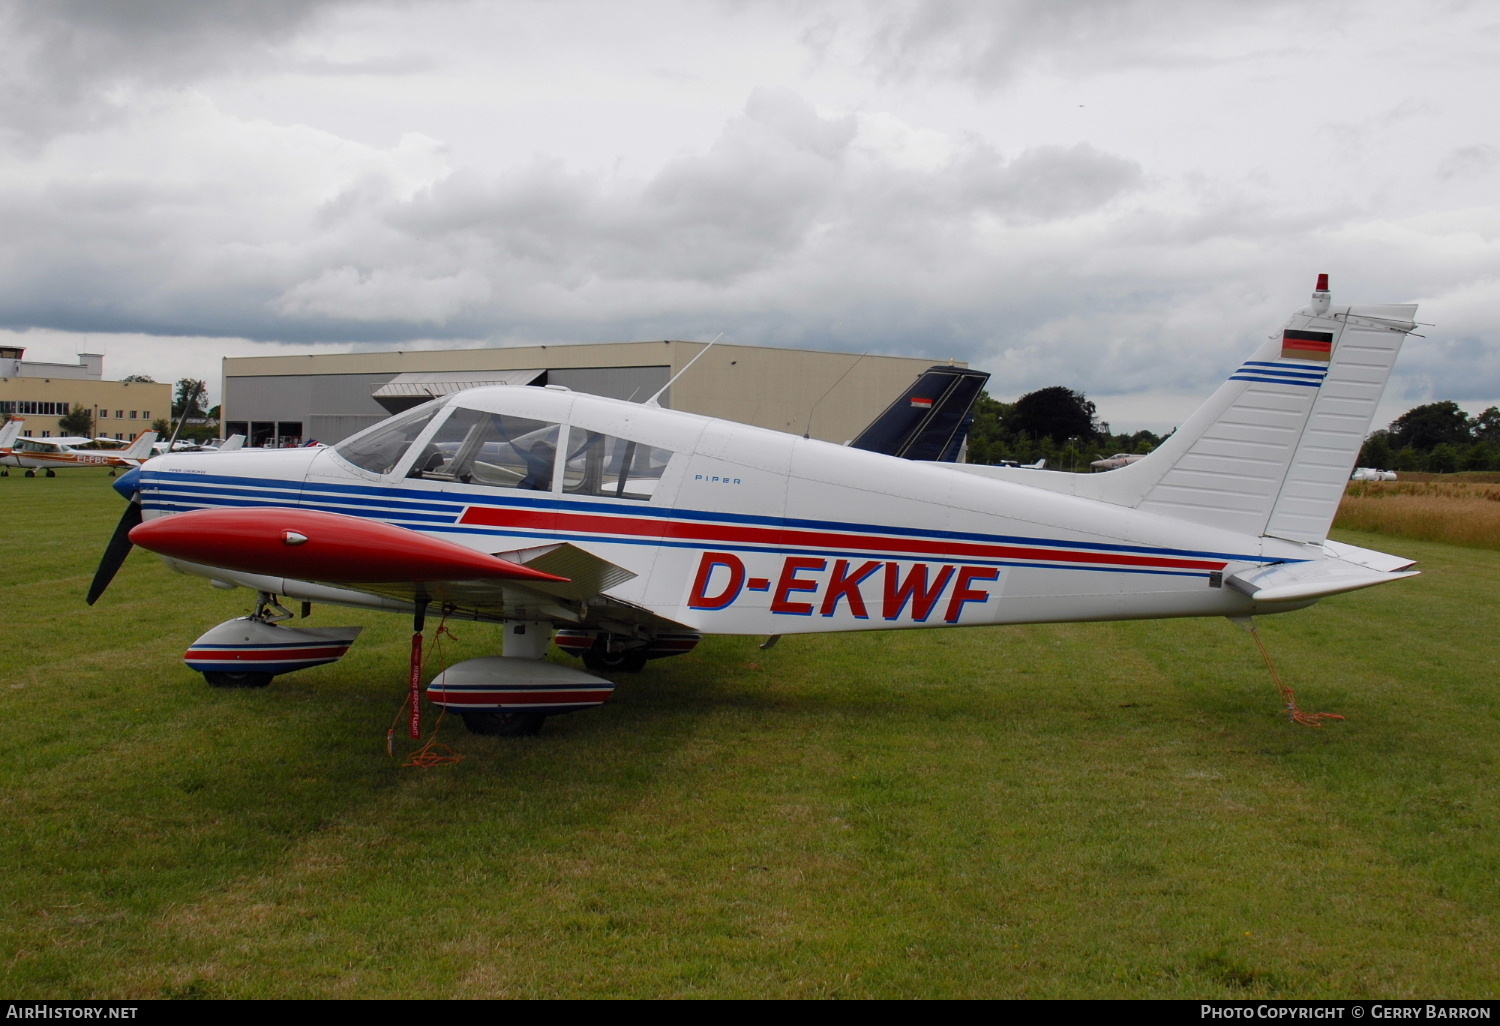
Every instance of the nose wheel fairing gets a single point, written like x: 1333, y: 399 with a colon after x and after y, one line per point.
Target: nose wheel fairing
x: 248, y: 645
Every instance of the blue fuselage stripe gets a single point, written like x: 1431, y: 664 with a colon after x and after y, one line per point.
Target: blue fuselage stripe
x: 423, y: 511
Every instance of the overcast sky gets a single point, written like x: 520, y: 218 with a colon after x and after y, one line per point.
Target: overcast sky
x: 1116, y: 196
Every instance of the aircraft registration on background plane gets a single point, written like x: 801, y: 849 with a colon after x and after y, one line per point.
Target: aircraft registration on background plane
x: 53, y: 454
x: 625, y: 532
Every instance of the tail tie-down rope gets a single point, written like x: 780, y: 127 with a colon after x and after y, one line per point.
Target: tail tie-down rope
x: 1294, y: 712
x: 433, y: 753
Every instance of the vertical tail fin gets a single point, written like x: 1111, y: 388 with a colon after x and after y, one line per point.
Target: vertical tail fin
x: 1271, y: 451
x: 140, y: 449
x: 10, y: 431
x: 930, y: 420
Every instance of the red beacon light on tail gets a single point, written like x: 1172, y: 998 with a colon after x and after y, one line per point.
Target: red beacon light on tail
x: 1320, y: 297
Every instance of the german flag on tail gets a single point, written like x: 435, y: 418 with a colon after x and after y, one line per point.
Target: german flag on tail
x: 1307, y: 345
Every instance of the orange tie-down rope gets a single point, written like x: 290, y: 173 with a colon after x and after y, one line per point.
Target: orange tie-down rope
x: 433, y: 753
x: 1287, y: 695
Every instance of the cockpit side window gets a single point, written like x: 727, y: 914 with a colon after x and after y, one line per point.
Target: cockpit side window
x: 494, y: 449
x: 381, y: 447
x: 618, y: 468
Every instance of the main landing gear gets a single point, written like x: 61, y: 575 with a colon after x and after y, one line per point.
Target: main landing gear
x: 603, y: 652
x: 513, y: 694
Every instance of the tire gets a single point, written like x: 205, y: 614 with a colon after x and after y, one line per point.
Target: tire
x: 31, y: 473
x: 236, y: 679
x: 600, y: 660
x: 493, y: 723
x: 51, y: 472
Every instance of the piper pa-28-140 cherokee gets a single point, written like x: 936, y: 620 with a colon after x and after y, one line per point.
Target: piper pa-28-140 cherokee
x: 626, y: 531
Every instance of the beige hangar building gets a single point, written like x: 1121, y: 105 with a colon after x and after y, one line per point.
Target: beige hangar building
x: 292, y: 399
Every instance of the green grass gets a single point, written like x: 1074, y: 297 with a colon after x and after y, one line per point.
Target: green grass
x: 1075, y: 810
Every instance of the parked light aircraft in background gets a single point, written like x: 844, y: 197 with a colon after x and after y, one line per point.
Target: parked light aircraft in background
x: 1371, y: 474
x: 1115, y: 462
x: 230, y: 444
x: 52, y: 454
x: 627, y: 531
x: 930, y: 420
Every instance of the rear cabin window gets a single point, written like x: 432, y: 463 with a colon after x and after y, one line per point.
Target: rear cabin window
x: 380, y: 448
x: 617, y: 468
x: 493, y: 449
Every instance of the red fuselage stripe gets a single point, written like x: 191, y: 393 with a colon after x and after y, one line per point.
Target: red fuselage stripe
x: 718, y: 534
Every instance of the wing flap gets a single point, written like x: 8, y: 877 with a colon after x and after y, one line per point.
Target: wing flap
x: 581, y: 573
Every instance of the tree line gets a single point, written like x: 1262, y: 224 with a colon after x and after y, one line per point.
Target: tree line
x: 1439, y: 438
x: 1056, y: 424
x: 1062, y: 426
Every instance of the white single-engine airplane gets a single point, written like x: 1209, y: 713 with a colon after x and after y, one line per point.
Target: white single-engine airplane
x: 626, y: 531
x: 53, y: 454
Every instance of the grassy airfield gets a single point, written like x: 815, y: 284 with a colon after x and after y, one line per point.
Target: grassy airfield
x: 1111, y: 810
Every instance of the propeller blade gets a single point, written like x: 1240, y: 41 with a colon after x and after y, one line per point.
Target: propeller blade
x: 115, y: 552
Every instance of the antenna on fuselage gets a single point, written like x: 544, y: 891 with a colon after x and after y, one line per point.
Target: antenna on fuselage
x: 652, y: 401
x: 807, y: 433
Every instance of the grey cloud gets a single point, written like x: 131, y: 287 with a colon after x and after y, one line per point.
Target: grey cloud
x: 990, y: 41
x: 780, y: 231
x: 63, y: 59
x: 711, y: 217
x: 1049, y: 182
x: 1468, y: 162
x: 786, y: 230
x: 781, y: 185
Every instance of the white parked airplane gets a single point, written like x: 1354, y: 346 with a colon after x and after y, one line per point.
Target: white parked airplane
x: 230, y: 444
x: 1115, y: 462
x: 53, y: 454
x: 628, y: 531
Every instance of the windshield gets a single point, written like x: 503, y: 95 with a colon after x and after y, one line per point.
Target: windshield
x: 378, y: 449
